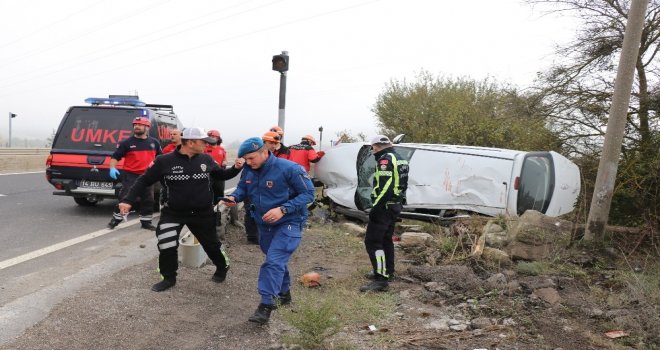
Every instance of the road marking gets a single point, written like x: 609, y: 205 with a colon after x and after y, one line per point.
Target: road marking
x: 55, y: 247
x: 29, y: 172
x: 3, y: 195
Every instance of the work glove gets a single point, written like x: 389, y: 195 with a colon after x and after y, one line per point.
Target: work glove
x: 320, y: 154
x: 114, y: 173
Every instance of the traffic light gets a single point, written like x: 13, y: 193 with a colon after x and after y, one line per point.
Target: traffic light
x: 281, y: 63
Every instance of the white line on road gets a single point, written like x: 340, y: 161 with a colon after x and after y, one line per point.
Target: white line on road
x: 3, y: 195
x: 55, y: 247
x: 29, y: 172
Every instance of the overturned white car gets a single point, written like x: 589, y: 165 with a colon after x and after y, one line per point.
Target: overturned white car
x: 449, y: 180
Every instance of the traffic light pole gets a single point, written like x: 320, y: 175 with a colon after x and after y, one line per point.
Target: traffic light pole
x: 11, y: 116
x: 280, y: 115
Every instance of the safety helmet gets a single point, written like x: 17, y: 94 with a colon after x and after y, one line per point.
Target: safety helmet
x: 277, y: 129
x: 141, y: 121
x: 271, y: 136
x: 214, y: 133
x: 311, y: 279
x: 310, y: 138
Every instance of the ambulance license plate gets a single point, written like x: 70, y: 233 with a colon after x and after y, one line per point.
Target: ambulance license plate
x: 101, y: 185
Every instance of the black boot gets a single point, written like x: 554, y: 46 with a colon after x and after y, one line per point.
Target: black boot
x: 220, y: 274
x: 113, y: 223
x: 262, y: 315
x: 283, y: 299
x: 165, y: 284
x: 148, y: 226
x: 378, y: 285
x: 372, y: 276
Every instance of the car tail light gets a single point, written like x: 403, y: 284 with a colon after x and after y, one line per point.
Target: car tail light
x: 516, y: 183
x: 49, y: 161
x: 59, y: 186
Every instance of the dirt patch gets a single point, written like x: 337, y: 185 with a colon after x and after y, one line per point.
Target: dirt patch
x: 463, y: 304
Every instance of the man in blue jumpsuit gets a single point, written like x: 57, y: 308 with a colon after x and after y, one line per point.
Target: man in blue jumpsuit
x: 280, y: 191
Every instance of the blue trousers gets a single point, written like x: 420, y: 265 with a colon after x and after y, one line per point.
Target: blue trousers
x: 278, y: 243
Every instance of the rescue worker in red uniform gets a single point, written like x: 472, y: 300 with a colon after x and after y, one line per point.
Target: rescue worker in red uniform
x: 175, y: 137
x: 216, y: 151
x: 271, y: 141
x: 281, y: 151
x: 138, y: 152
x: 303, y: 153
x: 219, y: 155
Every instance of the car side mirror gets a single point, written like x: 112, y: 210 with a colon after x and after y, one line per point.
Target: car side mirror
x: 398, y: 139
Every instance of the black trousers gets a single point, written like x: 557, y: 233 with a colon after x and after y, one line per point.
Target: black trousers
x: 201, y: 225
x: 378, y: 239
x: 146, y: 198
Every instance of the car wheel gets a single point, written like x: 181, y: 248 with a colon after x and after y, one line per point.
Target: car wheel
x: 84, y: 202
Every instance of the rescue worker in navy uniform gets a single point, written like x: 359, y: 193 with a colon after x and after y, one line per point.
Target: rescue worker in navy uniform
x: 387, y: 197
x: 188, y: 173
x: 280, y: 191
x: 138, y: 151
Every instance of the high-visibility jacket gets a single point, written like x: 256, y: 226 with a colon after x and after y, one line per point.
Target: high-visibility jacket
x: 390, y: 179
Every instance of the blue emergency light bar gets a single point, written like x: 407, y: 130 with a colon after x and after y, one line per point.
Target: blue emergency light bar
x: 115, y: 101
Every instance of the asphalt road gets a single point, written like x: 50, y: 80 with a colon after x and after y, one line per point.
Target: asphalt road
x: 41, y: 261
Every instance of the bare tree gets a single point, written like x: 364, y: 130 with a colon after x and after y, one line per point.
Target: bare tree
x: 578, y: 90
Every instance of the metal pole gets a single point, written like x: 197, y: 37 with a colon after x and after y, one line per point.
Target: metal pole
x: 10, y: 118
x: 321, y: 138
x: 608, y: 166
x: 280, y: 115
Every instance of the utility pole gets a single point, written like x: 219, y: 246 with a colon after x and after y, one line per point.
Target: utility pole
x: 281, y: 64
x: 321, y: 138
x: 11, y: 116
x: 609, y: 160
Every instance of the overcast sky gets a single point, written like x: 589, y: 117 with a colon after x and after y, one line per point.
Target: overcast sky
x: 211, y: 59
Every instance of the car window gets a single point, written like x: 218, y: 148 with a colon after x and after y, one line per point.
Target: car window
x: 95, y: 129
x: 536, y: 183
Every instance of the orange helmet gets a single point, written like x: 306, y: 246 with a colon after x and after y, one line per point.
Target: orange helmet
x: 277, y: 129
x: 271, y: 136
x: 141, y: 121
x: 311, y: 279
x: 310, y: 138
x: 214, y: 133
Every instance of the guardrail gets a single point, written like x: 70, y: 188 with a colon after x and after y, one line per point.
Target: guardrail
x: 23, y: 151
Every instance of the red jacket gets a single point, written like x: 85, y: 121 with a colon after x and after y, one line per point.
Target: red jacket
x: 218, y: 153
x: 169, y: 148
x: 304, y: 154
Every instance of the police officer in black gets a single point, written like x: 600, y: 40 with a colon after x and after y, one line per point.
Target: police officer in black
x: 188, y: 173
x: 388, y: 196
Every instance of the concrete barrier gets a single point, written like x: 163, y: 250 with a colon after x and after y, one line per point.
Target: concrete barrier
x: 13, y: 160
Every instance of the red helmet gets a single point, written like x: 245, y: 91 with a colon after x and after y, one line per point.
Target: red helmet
x: 310, y: 138
x: 214, y: 133
x: 277, y: 129
x: 141, y: 121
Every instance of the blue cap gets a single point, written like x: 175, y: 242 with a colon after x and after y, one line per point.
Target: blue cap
x: 250, y: 145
